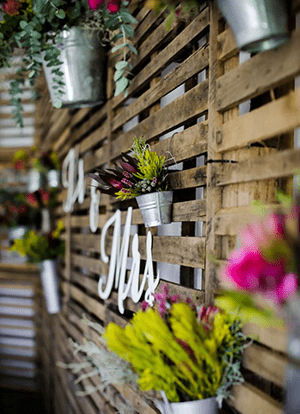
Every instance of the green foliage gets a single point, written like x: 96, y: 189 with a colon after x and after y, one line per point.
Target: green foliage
x: 36, y: 29
x: 179, y: 355
x: 244, y: 303
x: 38, y: 247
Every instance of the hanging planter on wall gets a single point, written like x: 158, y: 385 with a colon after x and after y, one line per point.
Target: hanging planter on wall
x: 49, y: 279
x: 53, y: 178
x: 205, y: 406
x: 83, y: 66
x: 141, y: 176
x: 257, y: 25
x: 35, y: 180
x: 156, y: 208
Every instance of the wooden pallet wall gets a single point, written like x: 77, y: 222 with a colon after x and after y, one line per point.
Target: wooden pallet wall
x: 211, y: 200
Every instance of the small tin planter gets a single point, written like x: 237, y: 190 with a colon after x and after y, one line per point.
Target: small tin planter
x: 256, y: 24
x: 156, y: 208
x: 49, y: 279
x: 53, y: 178
x: 35, y: 180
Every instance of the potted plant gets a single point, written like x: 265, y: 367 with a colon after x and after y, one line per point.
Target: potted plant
x: 44, y: 250
x: 193, y: 356
x: 42, y: 201
x: 49, y: 166
x: 43, y: 29
x: 141, y: 176
x: 267, y: 28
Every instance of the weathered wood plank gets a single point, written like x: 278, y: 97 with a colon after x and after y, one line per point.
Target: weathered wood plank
x: 249, y: 400
x: 266, y: 363
x: 169, y: 53
x: 184, y: 108
x: 259, y: 74
x: 188, y: 68
x: 272, y: 119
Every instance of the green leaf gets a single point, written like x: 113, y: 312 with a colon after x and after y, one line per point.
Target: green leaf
x: 116, y: 37
x: 121, y: 85
x: 114, y: 49
x: 60, y: 14
x: 118, y: 74
x: 129, y: 30
x: 170, y: 19
x: 121, y: 65
x: 32, y: 73
x: 284, y: 199
x: 132, y: 48
x: 23, y: 24
x: 127, y: 17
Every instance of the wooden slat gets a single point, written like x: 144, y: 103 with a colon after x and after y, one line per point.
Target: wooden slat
x: 273, y: 119
x: 268, y: 69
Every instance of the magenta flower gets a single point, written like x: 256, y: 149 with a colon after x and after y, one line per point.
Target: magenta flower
x: 127, y: 167
x: 116, y: 184
x: 113, y: 6
x: 262, y: 234
x: 126, y: 182
x: 95, y: 4
x: 144, y: 305
x: 250, y: 271
x: 11, y: 7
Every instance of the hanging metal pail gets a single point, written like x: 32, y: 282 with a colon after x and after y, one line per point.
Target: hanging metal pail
x: 156, y: 208
x: 49, y: 279
x: 53, y: 178
x: 16, y: 233
x: 256, y: 24
x: 84, y: 69
x: 35, y: 180
x: 205, y: 406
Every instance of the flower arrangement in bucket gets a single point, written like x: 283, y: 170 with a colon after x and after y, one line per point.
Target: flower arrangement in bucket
x: 193, y: 356
x: 48, y: 165
x: 44, y: 249
x: 41, y: 29
x: 143, y: 176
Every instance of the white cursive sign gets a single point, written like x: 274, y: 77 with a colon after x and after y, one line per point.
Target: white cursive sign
x: 73, y: 180
x: 94, y: 206
x: 118, y: 260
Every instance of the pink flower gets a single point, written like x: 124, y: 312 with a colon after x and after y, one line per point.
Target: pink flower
x: 113, y: 6
x: 250, y: 271
x: 127, y: 167
x: 206, y: 317
x: 262, y: 234
x: 95, y: 4
x: 126, y: 182
x: 32, y: 200
x: 116, y: 184
x: 144, y: 305
x: 19, y: 165
x: 11, y: 7
x: 45, y: 196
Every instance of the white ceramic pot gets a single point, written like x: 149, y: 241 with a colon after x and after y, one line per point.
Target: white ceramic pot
x: 35, y: 181
x: 49, y: 279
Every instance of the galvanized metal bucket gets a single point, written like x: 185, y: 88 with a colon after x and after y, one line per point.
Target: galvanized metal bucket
x: 35, y: 180
x: 205, y: 406
x: 83, y: 58
x: 53, y: 178
x: 16, y: 233
x: 49, y: 279
x: 256, y: 24
x: 156, y: 208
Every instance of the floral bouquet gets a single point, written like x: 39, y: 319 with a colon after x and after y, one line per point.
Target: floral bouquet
x: 38, y: 248
x: 263, y: 270
x: 20, y: 160
x: 46, y: 162
x: 187, y: 353
x: 139, y: 174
